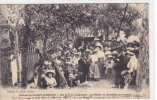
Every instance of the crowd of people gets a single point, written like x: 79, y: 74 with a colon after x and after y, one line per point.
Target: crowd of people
x: 89, y: 62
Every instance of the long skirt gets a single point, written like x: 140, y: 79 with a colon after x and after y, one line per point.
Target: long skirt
x: 101, y: 62
x: 96, y: 71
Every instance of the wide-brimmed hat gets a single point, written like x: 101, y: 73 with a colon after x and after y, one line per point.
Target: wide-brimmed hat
x: 130, y: 49
x: 50, y: 71
x: 98, y: 45
x: 133, y: 39
x: 95, y: 51
x: 77, y: 53
x: 96, y: 39
x: 87, y: 50
x: 110, y: 56
x: 114, y: 52
x: 108, y: 53
x: 129, y: 52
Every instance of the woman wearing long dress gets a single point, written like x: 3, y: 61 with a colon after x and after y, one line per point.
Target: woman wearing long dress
x: 94, y: 69
x: 101, y: 55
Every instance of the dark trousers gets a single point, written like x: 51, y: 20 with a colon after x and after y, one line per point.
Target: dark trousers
x: 133, y: 76
x: 119, y: 80
x: 83, y: 77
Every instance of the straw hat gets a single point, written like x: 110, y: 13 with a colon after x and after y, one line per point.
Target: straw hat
x: 129, y: 52
x: 133, y: 39
x: 110, y: 56
x: 95, y: 51
x: 108, y: 53
x: 50, y: 71
x: 77, y: 53
x: 130, y: 49
x: 87, y: 50
x: 114, y: 52
x: 96, y: 39
x: 99, y: 45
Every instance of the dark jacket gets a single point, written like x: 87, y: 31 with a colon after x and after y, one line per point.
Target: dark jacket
x: 121, y: 63
x: 83, y: 66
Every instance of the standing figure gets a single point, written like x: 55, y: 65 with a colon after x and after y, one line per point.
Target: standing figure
x: 101, y: 56
x: 94, y: 68
x: 109, y: 67
x: 132, y: 69
x: 120, y: 65
x: 83, y: 68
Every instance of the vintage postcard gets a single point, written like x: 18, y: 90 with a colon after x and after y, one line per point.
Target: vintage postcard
x: 74, y: 51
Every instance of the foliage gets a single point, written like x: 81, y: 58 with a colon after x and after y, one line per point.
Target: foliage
x: 59, y: 21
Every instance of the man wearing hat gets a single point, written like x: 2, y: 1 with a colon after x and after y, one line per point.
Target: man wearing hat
x: 132, y: 68
x: 82, y: 48
x: 97, y: 40
x: 134, y: 42
x: 120, y: 65
x: 83, y: 67
x: 114, y: 54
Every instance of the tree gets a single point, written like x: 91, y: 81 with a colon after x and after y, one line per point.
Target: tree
x: 15, y: 20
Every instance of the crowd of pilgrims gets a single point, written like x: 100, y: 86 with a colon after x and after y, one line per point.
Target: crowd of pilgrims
x: 89, y: 63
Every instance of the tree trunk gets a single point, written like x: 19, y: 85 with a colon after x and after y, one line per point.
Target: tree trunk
x: 24, y: 68
x: 64, y: 82
x: 107, y: 34
x: 45, y: 42
x: 122, y: 21
x: 25, y: 49
x: 5, y: 70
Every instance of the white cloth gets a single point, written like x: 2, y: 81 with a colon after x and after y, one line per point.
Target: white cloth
x: 76, y: 61
x: 14, y: 68
x: 133, y: 38
x: 51, y: 81
x: 132, y: 64
x: 100, y: 54
x: 110, y: 65
x: 94, y: 58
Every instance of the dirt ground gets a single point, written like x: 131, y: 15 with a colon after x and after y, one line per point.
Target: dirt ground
x: 103, y: 83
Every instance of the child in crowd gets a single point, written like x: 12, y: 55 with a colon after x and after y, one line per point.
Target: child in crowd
x: 109, y: 67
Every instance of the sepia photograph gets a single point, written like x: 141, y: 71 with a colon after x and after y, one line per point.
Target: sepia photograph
x: 74, y: 51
